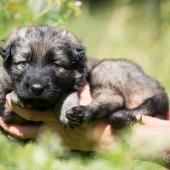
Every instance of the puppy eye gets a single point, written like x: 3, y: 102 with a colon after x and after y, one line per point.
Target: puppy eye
x: 25, y: 63
x: 55, y: 65
x: 22, y: 63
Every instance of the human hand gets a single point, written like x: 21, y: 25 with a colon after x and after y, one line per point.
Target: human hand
x: 151, y: 140
x: 98, y: 133
x: 83, y: 138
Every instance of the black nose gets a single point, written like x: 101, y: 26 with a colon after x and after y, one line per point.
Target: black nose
x: 37, y: 89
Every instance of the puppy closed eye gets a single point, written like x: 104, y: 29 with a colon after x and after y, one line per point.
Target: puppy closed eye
x: 62, y: 66
x: 23, y: 63
x: 56, y: 64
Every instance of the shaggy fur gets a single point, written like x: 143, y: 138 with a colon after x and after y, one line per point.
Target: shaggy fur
x: 120, y: 91
x: 47, y: 66
x: 42, y: 64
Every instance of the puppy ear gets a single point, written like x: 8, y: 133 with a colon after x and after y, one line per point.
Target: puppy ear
x: 7, y: 48
x: 5, y: 52
x: 79, y: 52
x: 2, y: 52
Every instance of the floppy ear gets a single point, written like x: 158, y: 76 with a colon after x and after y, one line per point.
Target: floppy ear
x: 5, y: 52
x: 7, y: 48
x: 79, y: 52
x: 76, y: 53
x: 73, y: 46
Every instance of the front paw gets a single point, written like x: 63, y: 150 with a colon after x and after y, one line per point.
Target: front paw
x: 75, y: 116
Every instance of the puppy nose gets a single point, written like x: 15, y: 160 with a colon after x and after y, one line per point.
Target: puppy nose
x: 37, y: 89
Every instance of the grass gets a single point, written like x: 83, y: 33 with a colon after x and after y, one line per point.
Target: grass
x: 49, y: 155
x: 136, y: 30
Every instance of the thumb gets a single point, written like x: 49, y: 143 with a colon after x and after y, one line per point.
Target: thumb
x: 30, y: 113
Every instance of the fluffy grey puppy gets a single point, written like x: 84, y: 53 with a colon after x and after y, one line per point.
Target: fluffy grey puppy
x: 120, y: 91
x: 42, y: 65
x: 47, y: 66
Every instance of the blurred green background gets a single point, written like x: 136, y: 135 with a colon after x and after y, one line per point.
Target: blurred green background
x: 134, y: 29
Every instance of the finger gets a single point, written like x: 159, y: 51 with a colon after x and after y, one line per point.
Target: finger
x: 31, y: 114
x: 107, y: 134
x: 34, y: 115
x: 8, y: 101
x: 85, y: 96
x: 148, y: 120
x: 23, y: 132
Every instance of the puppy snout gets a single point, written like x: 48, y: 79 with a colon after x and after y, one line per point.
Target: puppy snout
x: 37, y: 89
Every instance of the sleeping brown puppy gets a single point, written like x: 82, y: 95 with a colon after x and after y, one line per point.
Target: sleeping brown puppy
x: 47, y: 66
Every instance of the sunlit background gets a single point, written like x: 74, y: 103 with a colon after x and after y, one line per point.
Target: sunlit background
x: 134, y: 29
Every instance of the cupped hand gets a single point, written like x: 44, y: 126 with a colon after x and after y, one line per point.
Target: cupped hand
x: 84, y: 137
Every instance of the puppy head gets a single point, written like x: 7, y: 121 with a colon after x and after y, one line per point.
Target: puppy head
x: 44, y: 63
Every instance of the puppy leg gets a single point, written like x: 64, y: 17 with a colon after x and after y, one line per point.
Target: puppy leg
x: 104, y: 102
x: 4, y: 111
x: 122, y: 118
x: 2, y: 102
x: 157, y: 106
x: 69, y: 102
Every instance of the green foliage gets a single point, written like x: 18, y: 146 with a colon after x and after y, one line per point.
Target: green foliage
x: 133, y: 29
x: 47, y: 154
x: 15, y: 13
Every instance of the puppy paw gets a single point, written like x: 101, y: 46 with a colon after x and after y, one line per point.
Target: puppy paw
x: 75, y: 116
x: 121, y: 119
x: 131, y: 119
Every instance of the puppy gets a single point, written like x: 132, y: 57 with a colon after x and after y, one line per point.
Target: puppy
x: 42, y: 65
x: 47, y: 67
x: 120, y: 91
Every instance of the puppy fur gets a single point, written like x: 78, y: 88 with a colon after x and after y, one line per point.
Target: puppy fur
x: 47, y: 66
x: 120, y: 91
x: 41, y: 64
